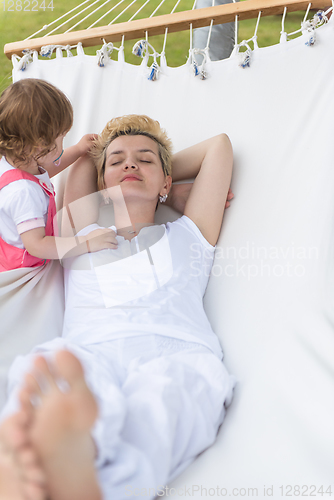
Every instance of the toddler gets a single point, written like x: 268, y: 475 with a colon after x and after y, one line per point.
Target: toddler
x: 34, y: 119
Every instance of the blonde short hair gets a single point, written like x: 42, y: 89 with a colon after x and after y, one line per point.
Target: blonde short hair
x: 33, y: 113
x: 131, y: 125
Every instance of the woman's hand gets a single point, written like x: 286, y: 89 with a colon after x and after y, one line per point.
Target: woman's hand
x: 179, y: 195
x: 230, y: 195
x: 101, y: 239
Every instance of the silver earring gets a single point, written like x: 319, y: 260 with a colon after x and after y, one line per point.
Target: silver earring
x: 163, y: 198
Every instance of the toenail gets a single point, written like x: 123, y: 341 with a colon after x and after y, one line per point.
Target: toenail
x: 35, y: 400
x: 63, y: 385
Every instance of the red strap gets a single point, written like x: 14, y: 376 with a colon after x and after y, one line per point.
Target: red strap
x: 16, y: 175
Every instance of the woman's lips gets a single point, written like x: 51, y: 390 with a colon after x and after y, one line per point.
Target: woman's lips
x: 131, y: 178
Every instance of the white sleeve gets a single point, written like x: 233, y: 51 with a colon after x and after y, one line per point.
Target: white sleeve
x: 194, y: 229
x: 88, y: 229
x: 24, y: 200
x: 92, y: 227
x: 27, y: 225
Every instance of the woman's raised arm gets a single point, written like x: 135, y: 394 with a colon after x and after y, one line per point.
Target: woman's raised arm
x: 80, y: 198
x: 211, y: 163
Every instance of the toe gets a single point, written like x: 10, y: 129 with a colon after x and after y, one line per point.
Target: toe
x: 12, y: 432
x: 69, y: 367
x: 42, y: 372
x: 31, y: 391
x: 25, y: 402
x: 34, y: 492
x: 35, y: 475
x: 27, y: 456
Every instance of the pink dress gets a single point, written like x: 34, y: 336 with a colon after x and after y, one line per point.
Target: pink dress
x: 12, y: 257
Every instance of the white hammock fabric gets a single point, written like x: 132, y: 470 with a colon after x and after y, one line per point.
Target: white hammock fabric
x: 271, y: 294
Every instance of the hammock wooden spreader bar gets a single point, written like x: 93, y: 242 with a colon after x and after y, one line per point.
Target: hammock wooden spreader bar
x: 179, y: 21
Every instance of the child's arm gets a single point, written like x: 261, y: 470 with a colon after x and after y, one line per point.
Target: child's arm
x: 54, y: 247
x: 71, y: 154
x: 211, y: 163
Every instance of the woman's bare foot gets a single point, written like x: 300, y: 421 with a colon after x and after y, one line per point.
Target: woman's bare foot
x: 21, y: 477
x: 60, y: 428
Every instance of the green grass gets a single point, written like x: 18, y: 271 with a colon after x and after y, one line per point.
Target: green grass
x: 18, y: 25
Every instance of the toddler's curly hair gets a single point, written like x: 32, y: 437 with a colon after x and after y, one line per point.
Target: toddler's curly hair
x: 33, y: 113
x: 131, y: 125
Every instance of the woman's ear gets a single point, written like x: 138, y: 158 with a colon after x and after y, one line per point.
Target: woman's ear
x: 167, y: 185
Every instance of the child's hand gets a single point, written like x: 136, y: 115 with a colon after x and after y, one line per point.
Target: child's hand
x: 71, y: 154
x: 86, y: 143
x: 101, y: 239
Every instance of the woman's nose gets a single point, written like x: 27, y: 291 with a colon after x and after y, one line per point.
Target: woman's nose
x: 130, y: 165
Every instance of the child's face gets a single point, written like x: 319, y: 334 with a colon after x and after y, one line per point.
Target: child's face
x: 54, y: 156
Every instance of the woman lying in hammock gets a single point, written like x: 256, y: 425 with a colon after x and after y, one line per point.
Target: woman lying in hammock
x: 135, y: 389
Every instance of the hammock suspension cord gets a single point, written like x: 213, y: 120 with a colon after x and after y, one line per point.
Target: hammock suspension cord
x: 84, y: 9
x: 106, y: 50
x: 46, y: 26
x: 307, y: 26
x: 142, y: 47
x: 245, y: 57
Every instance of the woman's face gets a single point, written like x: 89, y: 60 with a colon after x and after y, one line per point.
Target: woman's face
x: 133, y: 162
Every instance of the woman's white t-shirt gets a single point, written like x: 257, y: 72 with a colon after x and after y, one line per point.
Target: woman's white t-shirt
x: 152, y: 284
